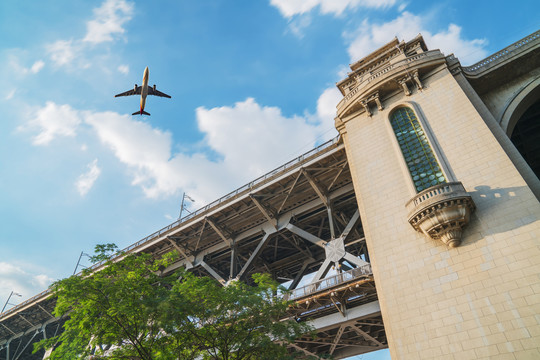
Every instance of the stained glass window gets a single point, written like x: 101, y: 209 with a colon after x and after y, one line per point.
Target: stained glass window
x: 423, y: 166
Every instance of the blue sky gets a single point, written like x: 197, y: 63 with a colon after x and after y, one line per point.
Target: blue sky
x: 252, y: 85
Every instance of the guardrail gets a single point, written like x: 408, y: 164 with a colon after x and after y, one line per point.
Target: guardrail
x: 329, y: 282
x: 27, y: 301
x: 230, y: 195
x: 236, y: 192
x: 300, y: 159
x: 503, y: 53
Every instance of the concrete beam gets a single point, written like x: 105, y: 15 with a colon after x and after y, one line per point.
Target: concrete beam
x: 351, y: 315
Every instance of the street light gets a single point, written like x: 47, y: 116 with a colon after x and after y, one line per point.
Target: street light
x: 184, y: 197
x: 78, y: 261
x: 7, y: 301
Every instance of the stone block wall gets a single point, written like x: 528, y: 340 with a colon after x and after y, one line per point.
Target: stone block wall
x: 477, y: 301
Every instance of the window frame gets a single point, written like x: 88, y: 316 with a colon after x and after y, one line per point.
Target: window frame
x: 432, y: 142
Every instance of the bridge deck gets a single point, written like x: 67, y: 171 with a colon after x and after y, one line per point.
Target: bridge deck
x: 283, y: 223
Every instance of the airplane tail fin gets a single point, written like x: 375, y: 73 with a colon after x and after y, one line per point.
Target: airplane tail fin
x: 141, y: 112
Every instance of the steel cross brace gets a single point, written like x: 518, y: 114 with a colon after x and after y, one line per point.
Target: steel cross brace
x: 283, y: 222
x: 365, y: 335
x: 335, y: 249
x: 219, y: 231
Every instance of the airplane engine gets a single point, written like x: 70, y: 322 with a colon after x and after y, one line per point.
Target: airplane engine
x: 135, y: 88
x: 154, y: 87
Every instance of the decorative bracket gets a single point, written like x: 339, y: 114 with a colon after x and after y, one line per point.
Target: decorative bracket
x: 417, y: 80
x: 366, y: 107
x: 403, y: 83
x: 441, y: 212
x: 375, y: 97
x: 372, y: 98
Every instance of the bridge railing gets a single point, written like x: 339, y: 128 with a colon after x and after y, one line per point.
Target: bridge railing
x: 224, y: 198
x: 22, y: 304
x: 479, y: 66
x: 202, y: 210
x: 329, y: 282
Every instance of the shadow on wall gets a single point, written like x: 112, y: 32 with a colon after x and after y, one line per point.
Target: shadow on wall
x: 503, y: 206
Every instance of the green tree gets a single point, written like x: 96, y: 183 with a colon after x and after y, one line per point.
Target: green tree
x: 128, y: 309
x: 237, y: 321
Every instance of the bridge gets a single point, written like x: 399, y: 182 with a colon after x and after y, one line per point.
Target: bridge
x: 456, y: 271
x: 300, y: 223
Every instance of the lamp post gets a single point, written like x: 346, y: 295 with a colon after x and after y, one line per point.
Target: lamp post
x: 184, y: 197
x: 7, y: 301
x: 78, y: 261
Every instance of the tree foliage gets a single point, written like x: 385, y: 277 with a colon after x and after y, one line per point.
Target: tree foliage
x: 128, y: 310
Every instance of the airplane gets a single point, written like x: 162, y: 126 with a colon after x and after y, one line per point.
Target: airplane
x: 143, y: 90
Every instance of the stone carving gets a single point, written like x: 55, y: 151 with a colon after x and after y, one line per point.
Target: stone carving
x: 403, y: 83
x: 441, y: 212
x: 366, y: 107
x: 372, y: 98
x: 417, y: 80
x: 375, y: 97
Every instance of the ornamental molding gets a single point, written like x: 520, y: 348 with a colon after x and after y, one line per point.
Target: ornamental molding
x: 373, y: 98
x: 441, y: 212
x: 504, y: 56
x: 403, y: 83
x: 398, y: 75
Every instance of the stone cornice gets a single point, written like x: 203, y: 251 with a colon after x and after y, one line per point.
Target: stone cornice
x: 387, y: 79
x: 385, y: 53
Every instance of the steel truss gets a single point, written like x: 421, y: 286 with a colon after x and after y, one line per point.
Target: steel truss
x: 301, y: 220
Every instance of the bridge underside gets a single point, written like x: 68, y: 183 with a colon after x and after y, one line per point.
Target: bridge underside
x: 301, y: 224
x: 342, y: 339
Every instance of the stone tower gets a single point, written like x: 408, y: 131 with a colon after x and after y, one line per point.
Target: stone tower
x: 449, y: 207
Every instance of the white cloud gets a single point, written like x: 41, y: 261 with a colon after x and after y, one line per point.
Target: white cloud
x: 450, y: 41
x: 16, y: 59
x: 10, y: 94
x: 326, y: 104
x: 170, y: 217
x: 251, y: 137
x: 298, y: 24
x: 86, y: 181
x: 38, y: 65
x: 368, y: 37
x: 52, y: 121
x: 108, y: 21
x: 124, y: 69
x: 15, y: 278
x: 106, y: 25
x: 248, y: 139
x: 63, y: 52
x: 245, y: 140
x: 145, y: 150
x: 289, y: 8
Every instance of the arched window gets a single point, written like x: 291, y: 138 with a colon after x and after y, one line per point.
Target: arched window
x: 423, y: 166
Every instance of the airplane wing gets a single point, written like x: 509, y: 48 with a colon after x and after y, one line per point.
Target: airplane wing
x: 151, y: 91
x: 130, y: 92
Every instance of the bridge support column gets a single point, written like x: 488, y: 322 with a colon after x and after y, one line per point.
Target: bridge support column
x: 477, y: 300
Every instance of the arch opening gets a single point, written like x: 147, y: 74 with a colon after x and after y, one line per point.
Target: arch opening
x: 526, y: 137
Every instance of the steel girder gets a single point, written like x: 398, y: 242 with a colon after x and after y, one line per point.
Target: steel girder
x: 297, y: 221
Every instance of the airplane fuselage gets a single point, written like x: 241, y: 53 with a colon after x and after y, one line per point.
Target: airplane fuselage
x: 144, y: 90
